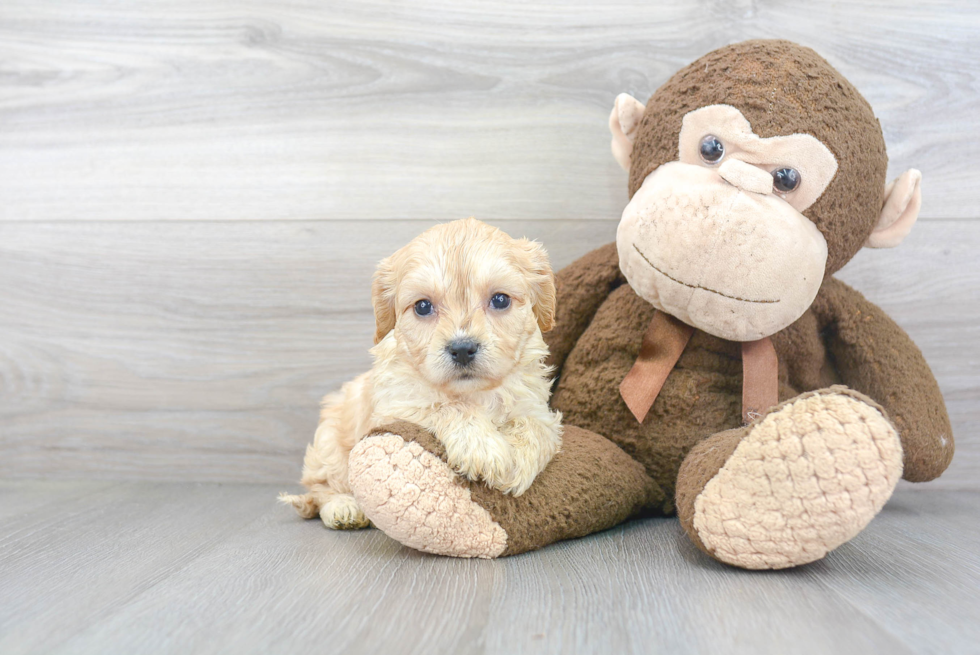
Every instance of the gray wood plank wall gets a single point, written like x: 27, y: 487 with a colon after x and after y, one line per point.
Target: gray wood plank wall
x: 193, y: 195
x: 181, y: 109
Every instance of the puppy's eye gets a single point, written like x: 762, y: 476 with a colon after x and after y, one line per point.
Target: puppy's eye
x: 785, y: 180
x: 423, y: 307
x: 500, y: 301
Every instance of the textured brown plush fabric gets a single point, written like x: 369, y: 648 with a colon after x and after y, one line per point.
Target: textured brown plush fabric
x: 589, y: 282
x: 564, y: 502
x: 782, y: 88
x: 703, y: 394
x: 705, y: 461
x: 876, y: 357
x: 843, y: 338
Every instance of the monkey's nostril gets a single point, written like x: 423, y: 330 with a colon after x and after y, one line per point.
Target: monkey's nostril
x: 463, y: 351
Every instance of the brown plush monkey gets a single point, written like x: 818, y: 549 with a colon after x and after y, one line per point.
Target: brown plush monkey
x: 734, y: 381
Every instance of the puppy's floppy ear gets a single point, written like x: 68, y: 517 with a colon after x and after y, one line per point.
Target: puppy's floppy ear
x: 537, y: 268
x: 383, y: 299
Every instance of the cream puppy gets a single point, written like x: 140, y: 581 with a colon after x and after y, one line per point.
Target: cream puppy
x: 459, y: 314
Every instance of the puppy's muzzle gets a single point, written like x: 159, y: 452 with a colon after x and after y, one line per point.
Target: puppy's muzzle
x: 463, y: 351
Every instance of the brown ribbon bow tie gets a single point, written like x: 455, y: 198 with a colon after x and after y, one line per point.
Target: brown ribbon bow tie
x: 662, y: 346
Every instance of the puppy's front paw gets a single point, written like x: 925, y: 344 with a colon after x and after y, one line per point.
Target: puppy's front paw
x: 519, y: 482
x: 342, y: 513
x: 493, y: 466
x: 534, y: 444
x: 505, y: 473
x: 507, y: 461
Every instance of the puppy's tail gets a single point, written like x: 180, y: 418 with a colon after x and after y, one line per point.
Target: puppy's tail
x: 306, y: 505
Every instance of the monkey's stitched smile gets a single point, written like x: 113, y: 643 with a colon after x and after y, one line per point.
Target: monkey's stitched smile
x: 697, y: 286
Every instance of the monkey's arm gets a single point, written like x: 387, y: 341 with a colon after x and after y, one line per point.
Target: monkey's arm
x: 582, y: 286
x: 875, y: 356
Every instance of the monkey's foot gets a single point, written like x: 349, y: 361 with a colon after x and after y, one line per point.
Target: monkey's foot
x: 792, y: 486
x: 403, y: 484
x: 414, y: 498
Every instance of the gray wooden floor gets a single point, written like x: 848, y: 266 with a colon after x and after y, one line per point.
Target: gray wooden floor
x: 129, y: 567
x: 193, y: 194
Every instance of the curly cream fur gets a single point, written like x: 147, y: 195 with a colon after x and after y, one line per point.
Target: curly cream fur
x: 493, y: 416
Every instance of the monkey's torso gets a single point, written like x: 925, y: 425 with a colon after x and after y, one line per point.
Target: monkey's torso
x: 702, y: 395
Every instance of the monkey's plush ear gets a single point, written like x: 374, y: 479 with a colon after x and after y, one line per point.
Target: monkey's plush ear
x: 903, y: 198
x: 623, y: 123
x: 383, y: 299
x: 537, y: 268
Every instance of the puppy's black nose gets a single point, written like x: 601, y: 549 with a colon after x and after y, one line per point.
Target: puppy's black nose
x: 463, y: 351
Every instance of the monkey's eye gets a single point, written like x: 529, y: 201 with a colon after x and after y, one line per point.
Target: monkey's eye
x: 500, y: 301
x: 785, y: 180
x: 712, y: 150
x: 423, y: 307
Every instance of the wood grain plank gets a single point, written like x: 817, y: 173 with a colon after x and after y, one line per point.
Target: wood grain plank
x: 62, y: 570
x: 21, y: 497
x: 915, y: 572
x: 308, y: 109
x: 282, y: 585
x: 199, y: 350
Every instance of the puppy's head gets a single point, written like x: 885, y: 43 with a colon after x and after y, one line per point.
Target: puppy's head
x: 462, y: 300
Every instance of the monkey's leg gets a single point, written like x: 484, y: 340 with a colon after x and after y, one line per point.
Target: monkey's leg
x: 792, y: 486
x: 402, y: 483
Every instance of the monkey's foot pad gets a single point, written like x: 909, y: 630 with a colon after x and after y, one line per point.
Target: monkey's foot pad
x: 803, y: 480
x: 414, y: 498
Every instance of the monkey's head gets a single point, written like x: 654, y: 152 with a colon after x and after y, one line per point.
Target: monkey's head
x: 755, y: 172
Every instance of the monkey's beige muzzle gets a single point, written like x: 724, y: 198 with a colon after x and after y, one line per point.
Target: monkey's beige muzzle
x: 735, y: 262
